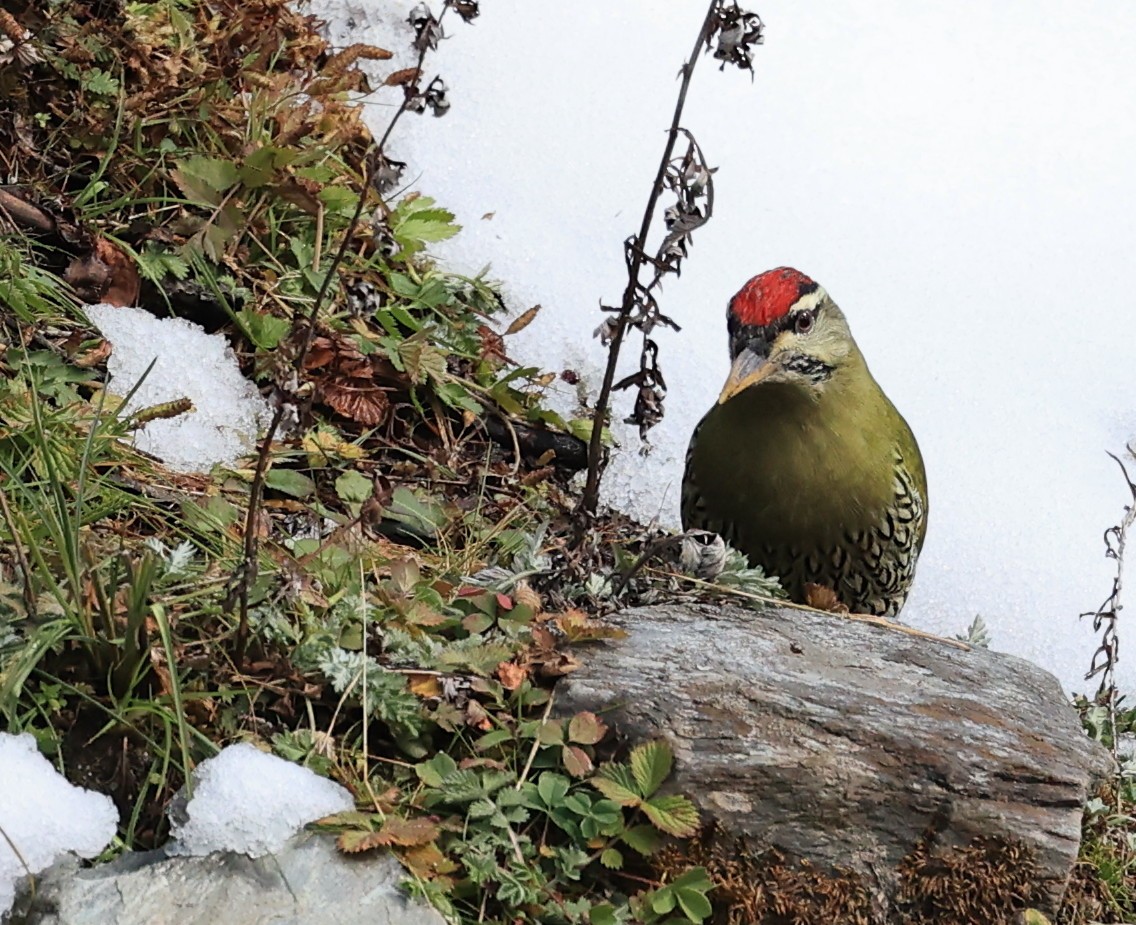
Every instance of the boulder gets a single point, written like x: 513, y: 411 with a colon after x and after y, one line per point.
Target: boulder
x: 307, y: 883
x: 850, y: 748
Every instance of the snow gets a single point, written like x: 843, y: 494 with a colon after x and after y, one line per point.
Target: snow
x: 228, y: 410
x: 43, y: 815
x: 958, y: 176
x: 250, y: 802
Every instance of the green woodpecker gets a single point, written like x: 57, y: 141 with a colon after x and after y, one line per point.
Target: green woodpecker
x: 803, y: 463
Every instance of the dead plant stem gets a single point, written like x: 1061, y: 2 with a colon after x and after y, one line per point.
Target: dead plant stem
x: 589, y: 500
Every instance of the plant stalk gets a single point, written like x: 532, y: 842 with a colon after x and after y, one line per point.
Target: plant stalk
x: 589, y: 500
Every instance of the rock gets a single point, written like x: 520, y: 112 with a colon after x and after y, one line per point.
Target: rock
x: 852, y: 747
x: 307, y: 883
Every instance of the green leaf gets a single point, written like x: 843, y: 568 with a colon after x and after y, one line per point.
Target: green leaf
x: 645, y: 839
x: 651, y: 764
x: 694, y: 904
x: 260, y: 167
x: 96, y: 80
x: 603, y: 914
x: 429, y: 226
x: 663, y: 901
x: 455, y: 395
x: 422, y: 360
x: 482, y: 809
x: 493, y: 739
x: 436, y: 770
x: 290, y: 482
x: 265, y: 330
x: 204, y: 179
x: 612, y: 859
x: 694, y: 879
x: 424, y: 516
x: 551, y: 733
x: 353, y: 486
x: 675, y: 815
x: 615, y: 782
x: 552, y: 788
x: 417, y: 221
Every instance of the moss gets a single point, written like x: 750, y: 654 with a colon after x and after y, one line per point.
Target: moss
x: 986, y: 882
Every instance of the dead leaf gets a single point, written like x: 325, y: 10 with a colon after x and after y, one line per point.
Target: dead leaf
x: 576, y: 761
x: 425, y: 685
x: 476, y: 716
x: 402, y: 77
x: 358, y: 399
x: 428, y: 862
x: 523, y: 320
x: 408, y: 832
x: 358, y: 842
x: 511, y: 674
x: 585, y: 728
x: 822, y: 597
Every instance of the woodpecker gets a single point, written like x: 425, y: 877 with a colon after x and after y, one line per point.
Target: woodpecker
x: 803, y: 464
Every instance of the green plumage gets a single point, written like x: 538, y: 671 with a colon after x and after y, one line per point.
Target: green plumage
x: 816, y: 483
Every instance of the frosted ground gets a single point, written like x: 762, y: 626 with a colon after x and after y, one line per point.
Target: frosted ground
x: 958, y: 176
x: 244, y: 801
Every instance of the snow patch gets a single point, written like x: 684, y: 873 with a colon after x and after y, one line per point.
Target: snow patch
x: 250, y: 802
x: 43, y: 815
x: 188, y: 363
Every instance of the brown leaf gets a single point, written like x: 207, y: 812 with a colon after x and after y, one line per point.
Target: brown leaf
x: 401, y: 78
x: 358, y: 399
x: 522, y: 321
x: 425, y: 685
x: 576, y: 761
x: 408, y: 832
x: 822, y: 597
x: 492, y: 344
x: 476, y: 716
x: 511, y: 675
x: 357, y: 842
x: 124, y: 280
x: 427, y: 862
x: 577, y: 626
x: 320, y: 353
x: 93, y: 357
x: 585, y: 728
x: 561, y: 663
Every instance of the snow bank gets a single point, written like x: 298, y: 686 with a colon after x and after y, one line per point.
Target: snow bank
x: 188, y: 363
x: 250, y: 802
x: 44, y: 816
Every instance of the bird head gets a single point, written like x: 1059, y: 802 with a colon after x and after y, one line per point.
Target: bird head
x: 784, y: 328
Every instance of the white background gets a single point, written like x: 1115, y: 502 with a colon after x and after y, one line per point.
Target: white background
x: 958, y: 176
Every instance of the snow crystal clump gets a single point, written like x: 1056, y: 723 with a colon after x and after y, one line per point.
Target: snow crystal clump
x: 250, y: 802
x: 43, y: 815
x: 188, y: 363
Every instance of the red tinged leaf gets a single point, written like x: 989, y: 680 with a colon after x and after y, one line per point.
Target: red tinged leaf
x: 576, y: 761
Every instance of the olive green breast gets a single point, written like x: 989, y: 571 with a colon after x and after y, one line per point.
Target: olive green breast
x: 822, y: 486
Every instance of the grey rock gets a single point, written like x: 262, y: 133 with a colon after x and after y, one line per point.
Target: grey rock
x: 844, y: 743
x: 307, y: 883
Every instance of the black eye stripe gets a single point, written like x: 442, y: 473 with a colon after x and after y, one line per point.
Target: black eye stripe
x: 759, y: 339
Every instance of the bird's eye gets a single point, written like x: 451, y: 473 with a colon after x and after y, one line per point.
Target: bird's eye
x: 804, y: 322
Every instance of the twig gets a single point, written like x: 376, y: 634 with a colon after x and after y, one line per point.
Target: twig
x: 536, y: 742
x: 1105, y: 617
x: 590, y: 498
